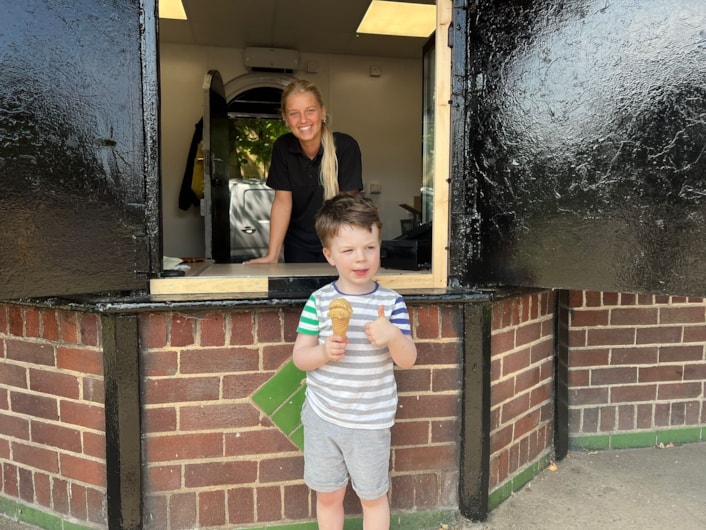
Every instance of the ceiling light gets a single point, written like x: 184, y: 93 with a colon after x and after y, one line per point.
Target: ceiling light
x: 402, y: 19
x: 171, y: 9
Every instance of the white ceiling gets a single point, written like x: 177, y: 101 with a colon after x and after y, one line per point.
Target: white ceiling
x: 308, y: 26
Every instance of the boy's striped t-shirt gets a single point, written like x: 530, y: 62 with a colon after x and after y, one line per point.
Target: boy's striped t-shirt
x: 359, y: 391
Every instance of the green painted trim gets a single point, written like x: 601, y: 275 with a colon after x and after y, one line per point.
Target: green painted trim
x: 398, y: 521
x: 638, y: 440
x: 30, y: 515
x: 517, y: 482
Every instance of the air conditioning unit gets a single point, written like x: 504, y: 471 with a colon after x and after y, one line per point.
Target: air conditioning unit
x: 271, y: 60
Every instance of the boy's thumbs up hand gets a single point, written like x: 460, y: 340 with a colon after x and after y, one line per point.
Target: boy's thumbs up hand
x: 380, y: 331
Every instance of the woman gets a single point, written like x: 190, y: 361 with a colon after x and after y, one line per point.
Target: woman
x: 309, y: 164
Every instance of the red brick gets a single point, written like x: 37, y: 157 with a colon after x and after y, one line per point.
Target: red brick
x: 527, y: 379
x: 275, y: 355
x: 89, y: 416
x: 163, y: 478
x: 13, y: 375
x: 662, y: 415
x: 153, y: 330
x: 56, y: 384
x: 241, y: 505
x: 426, y: 491
x: 589, y: 423
x: 269, y: 502
x: 431, y: 457
x: 34, y: 405
x: 94, y: 444
x: 634, y: 355
x: 93, y: 389
x: 516, y: 361
x: 438, y: 353
x: 428, y: 406
x: 68, y: 327
x: 502, y: 391
x: 589, y: 317
x: 633, y: 316
x: 526, y: 424
x: 212, y: 508
x: 633, y: 393
x: 281, y: 469
x: 182, y: 390
x: 528, y: 333
x: 542, y: 350
x: 410, y: 433
x: 10, y: 480
x: 607, y: 419
x: 242, y: 328
x: 577, y: 338
x: 645, y: 299
x: 182, y: 330
x: 219, y: 473
x: 29, y: 352
x: 626, y: 418
x: 82, y: 469
x: 183, y: 447
x: 269, y: 326
x: 262, y: 441
x: 677, y: 413
x: 290, y: 322
x: 680, y: 353
x: 35, y: 457
x: 660, y: 335
x: 60, y: 495
x: 219, y: 416
x: 42, y: 489
x: 49, y: 325
x: 644, y: 416
x: 695, y: 371
x: 159, y: 419
x: 682, y: 315
x: 610, y: 298
x: 588, y: 396
x: 297, y: 502
x: 694, y: 334
x: 80, y: 360
x: 501, y: 438
x: 502, y: 342
x: 212, y: 330
x: 95, y: 499
x: 593, y: 298
x: 15, y: 321
x: 610, y: 336
x: 402, y: 492
x: 52, y: 435
x: 613, y: 376
x: 451, y: 323
x: 444, y: 431
x: 679, y: 391
x: 88, y: 329
x: 156, y: 509
x: 427, y: 324
x: 578, y: 378
x: 182, y: 511
x: 77, y: 502
x: 160, y: 363
x: 242, y: 385
x: 575, y: 299
x: 219, y: 360
x: 542, y: 394
x: 515, y: 408
x: 31, y: 322
x: 661, y: 373
x: 415, y: 380
x: 628, y: 299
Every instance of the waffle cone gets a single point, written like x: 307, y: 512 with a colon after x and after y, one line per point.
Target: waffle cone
x: 340, y: 326
x: 340, y: 312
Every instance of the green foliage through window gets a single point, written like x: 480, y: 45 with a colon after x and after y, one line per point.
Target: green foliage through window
x: 251, y: 141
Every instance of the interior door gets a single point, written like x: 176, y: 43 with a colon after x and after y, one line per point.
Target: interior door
x: 78, y: 155
x: 216, y: 153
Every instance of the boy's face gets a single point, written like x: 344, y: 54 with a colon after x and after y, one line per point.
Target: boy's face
x: 355, y: 253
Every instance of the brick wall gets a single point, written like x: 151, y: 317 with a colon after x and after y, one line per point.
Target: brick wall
x: 637, y: 369
x: 214, y: 459
x: 52, y: 441
x: 522, y: 376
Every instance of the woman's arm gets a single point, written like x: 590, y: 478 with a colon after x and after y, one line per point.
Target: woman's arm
x: 279, y: 222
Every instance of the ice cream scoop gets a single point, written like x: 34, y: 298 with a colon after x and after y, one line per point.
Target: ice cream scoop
x: 340, y: 311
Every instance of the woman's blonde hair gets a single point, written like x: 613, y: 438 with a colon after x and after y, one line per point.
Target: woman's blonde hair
x: 329, y: 162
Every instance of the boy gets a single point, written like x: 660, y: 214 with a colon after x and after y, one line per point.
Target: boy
x: 351, y: 395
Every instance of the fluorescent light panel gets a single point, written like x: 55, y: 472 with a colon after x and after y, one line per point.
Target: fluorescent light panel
x: 171, y: 9
x: 402, y: 19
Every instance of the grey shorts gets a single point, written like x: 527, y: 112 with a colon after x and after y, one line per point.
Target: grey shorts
x: 333, y: 453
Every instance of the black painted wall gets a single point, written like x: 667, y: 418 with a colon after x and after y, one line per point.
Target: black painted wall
x: 78, y: 129
x: 580, y: 139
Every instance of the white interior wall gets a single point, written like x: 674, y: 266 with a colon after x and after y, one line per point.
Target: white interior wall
x: 383, y: 113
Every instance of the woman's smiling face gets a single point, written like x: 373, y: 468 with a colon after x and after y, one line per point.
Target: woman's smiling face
x: 304, y: 116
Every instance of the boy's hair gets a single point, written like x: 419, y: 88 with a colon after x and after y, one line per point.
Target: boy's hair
x: 346, y: 210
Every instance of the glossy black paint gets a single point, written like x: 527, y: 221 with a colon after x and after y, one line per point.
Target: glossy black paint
x: 78, y: 150
x: 580, y: 137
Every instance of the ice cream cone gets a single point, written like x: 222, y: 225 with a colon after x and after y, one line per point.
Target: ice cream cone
x: 340, y: 311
